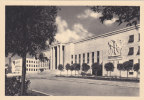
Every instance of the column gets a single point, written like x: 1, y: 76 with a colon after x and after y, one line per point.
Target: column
x: 53, y: 58
x: 58, y: 48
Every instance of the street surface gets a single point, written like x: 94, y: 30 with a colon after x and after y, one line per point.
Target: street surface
x: 60, y: 86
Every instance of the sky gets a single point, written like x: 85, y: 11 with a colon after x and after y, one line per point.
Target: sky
x: 79, y: 22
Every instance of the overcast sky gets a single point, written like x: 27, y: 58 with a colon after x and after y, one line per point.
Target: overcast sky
x: 79, y: 22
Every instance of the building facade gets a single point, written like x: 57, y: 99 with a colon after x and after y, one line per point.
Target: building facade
x: 115, y: 47
x: 32, y: 66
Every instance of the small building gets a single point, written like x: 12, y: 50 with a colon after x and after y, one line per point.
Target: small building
x: 32, y: 66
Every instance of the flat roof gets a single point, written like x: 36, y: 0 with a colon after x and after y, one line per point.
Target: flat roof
x: 108, y: 34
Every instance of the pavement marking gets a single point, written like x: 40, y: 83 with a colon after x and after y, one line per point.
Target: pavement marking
x: 42, y: 92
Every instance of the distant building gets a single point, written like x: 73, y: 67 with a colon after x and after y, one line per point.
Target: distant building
x: 116, y: 47
x: 32, y: 66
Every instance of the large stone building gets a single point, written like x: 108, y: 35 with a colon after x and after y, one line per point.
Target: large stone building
x: 116, y: 47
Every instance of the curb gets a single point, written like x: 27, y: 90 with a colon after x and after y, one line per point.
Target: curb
x: 42, y: 93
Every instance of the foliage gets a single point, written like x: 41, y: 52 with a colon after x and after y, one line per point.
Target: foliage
x: 67, y: 67
x: 71, y: 68
x: 85, y: 67
x: 29, y: 30
x: 41, y: 69
x: 109, y: 67
x: 120, y: 68
x: 13, y: 84
x: 127, y: 66
x: 96, y: 67
x: 60, y: 67
x: 136, y: 67
x: 125, y: 14
x: 77, y: 67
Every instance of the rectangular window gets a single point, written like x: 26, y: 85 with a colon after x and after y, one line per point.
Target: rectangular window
x: 131, y: 39
x: 138, y: 53
x: 71, y: 62
x: 75, y: 58
x: 130, y: 73
x: 98, y: 56
x: 83, y: 58
x: 87, y: 57
x: 79, y: 58
x: 92, y: 57
x: 131, y: 51
x: 71, y: 59
x: 27, y: 61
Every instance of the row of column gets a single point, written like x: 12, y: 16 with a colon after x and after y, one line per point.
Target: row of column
x: 56, y: 56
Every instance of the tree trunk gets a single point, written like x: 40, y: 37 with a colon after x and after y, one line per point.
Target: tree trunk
x: 110, y: 73
x: 23, y: 75
x: 71, y: 73
x: 67, y: 72
x: 120, y: 73
x: 107, y: 73
x: 137, y: 74
x: 75, y: 72
x: 127, y: 74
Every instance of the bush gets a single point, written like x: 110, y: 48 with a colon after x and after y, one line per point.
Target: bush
x: 13, y: 86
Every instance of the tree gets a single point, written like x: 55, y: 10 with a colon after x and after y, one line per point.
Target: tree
x: 29, y: 30
x: 120, y: 68
x: 85, y: 67
x: 127, y: 66
x: 67, y: 68
x: 60, y: 67
x: 125, y: 14
x: 77, y: 67
x: 109, y: 67
x: 96, y: 67
x: 136, y: 68
x: 71, y: 69
x: 41, y: 69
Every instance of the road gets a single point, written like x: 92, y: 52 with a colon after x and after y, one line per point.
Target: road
x: 59, y: 86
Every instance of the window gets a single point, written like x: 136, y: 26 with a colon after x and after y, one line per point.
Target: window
x: 130, y: 73
x: 98, y: 55
x: 83, y: 58
x: 29, y: 65
x: 34, y: 65
x: 72, y: 56
x: 27, y: 61
x: 131, y: 38
x: 131, y: 51
x: 71, y: 62
x: 87, y: 57
x: 79, y: 58
x: 92, y: 57
x: 34, y: 69
x: 75, y: 58
x: 138, y: 53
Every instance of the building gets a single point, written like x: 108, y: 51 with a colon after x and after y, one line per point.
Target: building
x: 116, y: 47
x: 32, y: 66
